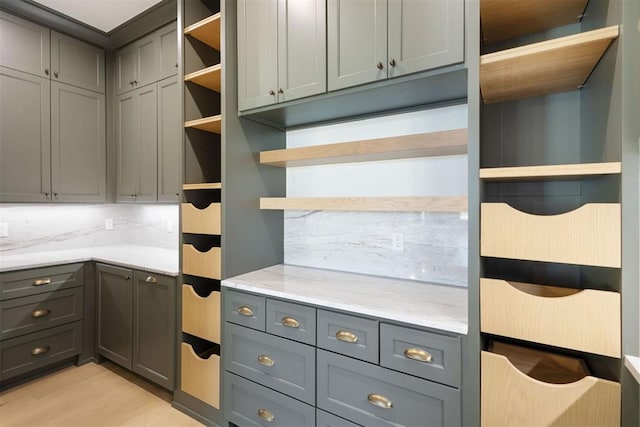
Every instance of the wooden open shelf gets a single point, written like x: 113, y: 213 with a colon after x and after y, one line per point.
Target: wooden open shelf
x: 441, y: 143
x: 552, y: 66
x: 211, y: 124
x: 381, y: 204
x: 568, y: 171
x: 507, y: 19
x: 208, y: 77
x: 207, y: 31
x: 202, y: 186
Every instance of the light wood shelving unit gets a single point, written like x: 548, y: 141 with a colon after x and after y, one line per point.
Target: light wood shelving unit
x: 550, y: 172
x: 211, y: 124
x: 369, y: 204
x: 202, y: 186
x: 208, y: 77
x: 207, y: 31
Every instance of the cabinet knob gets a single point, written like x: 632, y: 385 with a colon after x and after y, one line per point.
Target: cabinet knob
x: 131, y: 83
x: 46, y: 71
x: 135, y: 82
x: 379, y: 65
x: 392, y: 62
x: 347, y: 336
x: 265, y: 360
x: 40, y: 313
x: 280, y: 91
x: 55, y: 74
x: 290, y: 322
x: 271, y: 92
x: 151, y: 279
x: 55, y: 194
x: 380, y: 401
x: 266, y: 415
x: 245, y: 311
x: 46, y: 195
x: 176, y: 65
x: 418, y: 354
x: 127, y: 278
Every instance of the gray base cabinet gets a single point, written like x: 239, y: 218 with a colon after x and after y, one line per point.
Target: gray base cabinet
x: 114, y: 314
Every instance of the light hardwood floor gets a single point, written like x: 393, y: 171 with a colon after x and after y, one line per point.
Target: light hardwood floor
x: 90, y: 395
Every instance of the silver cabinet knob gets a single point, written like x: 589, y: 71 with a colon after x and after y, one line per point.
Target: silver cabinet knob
x: 280, y: 91
x: 46, y: 71
x: 55, y: 74
x: 392, y: 62
x: 271, y: 92
x: 380, y: 66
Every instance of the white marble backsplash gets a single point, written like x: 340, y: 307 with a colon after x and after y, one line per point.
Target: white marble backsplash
x: 36, y: 228
x: 435, y: 244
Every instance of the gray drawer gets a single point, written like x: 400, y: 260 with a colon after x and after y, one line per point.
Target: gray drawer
x: 404, y: 349
x: 25, y: 315
x: 335, y: 331
x: 277, y: 363
x: 325, y: 419
x: 28, y: 352
x: 21, y: 283
x: 347, y: 387
x: 244, y: 309
x: 289, y: 320
x: 249, y: 404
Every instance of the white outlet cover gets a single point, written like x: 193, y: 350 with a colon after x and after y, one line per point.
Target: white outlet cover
x: 397, y: 242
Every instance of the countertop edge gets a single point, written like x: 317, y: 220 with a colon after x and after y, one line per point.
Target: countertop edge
x: 633, y: 365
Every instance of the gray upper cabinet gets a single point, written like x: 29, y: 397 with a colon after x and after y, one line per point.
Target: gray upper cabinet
x: 169, y: 137
x: 77, y: 63
x: 125, y: 69
x: 24, y: 46
x: 168, y: 40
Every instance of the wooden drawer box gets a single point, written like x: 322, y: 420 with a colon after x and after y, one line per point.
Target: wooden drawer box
x: 589, y: 235
x: 244, y: 309
x: 203, y: 264
x: 511, y: 398
x: 584, y: 320
x: 200, y: 377
x: 290, y: 320
x: 201, y: 315
x: 349, y: 335
x: 201, y: 221
x: 21, y: 283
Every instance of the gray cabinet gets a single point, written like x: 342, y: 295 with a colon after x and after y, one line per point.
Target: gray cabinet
x: 77, y: 63
x: 24, y: 46
x: 168, y: 46
x: 281, y: 51
x: 169, y: 137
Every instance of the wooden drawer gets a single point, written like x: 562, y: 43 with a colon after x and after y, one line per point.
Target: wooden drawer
x: 25, y: 315
x: 203, y: 264
x: 249, y: 404
x: 277, y: 363
x: 244, y: 309
x: 350, y: 335
x: 584, y: 320
x: 509, y: 397
x: 28, y: 352
x: 589, y: 235
x: 374, y: 396
x: 325, y: 419
x: 201, y: 315
x: 21, y: 283
x: 200, y: 377
x: 428, y: 355
x: 289, y: 320
x: 201, y: 221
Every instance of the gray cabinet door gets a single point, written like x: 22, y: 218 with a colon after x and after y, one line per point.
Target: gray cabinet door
x: 24, y: 137
x: 302, y: 48
x: 356, y: 42
x: 78, y: 144
x: 115, y: 314
x: 168, y: 40
x: 77, y: 63
x: 169, y: 141
x: 147, y: 60
x: 153, y: 327
x: 424, y: 35
x: 147, y: 190
x: 257, y: 53
x: 125, y: 69
x: 24, y: 46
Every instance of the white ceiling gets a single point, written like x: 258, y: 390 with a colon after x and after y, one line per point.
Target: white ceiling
x: 105, y: 15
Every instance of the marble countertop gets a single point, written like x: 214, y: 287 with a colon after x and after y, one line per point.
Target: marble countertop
x: 151, y: 259
x: 428, y: 305
x: 633, y: 365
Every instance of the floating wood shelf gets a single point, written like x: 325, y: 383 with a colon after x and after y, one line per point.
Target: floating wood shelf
x: 203, y: 186
x: 420, y: 145
x: 386, y: 204
x: 208, y: 77
x: 552, y: 66
x: 569, y: 171
x: 211, y: 124
x: 506, y: 19
x: 207, y: 31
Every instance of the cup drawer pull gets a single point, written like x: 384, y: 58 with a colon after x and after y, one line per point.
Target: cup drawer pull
x: 265, y: 360
x: 39, y: 350
x: 418, y: 354
x: 347, y: 336
x: 40, y: 282
x: 290, y: 322
x: 151, y: 279
x: 40, y: 313
x: 245, y: 311
x: 380, y: 401
x: 266, y: 415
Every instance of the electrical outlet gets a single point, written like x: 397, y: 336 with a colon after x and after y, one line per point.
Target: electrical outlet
x: 397, y: 242
x: 464, y: 216
x: 169, y: 226
x: 108, y: 224
x: 4, y: 229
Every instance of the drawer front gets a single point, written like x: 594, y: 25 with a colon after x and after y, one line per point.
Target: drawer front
x: 249, y: 404
x: 25, y: 315
x: 25, y: 353
x: 424, y: 354
x: 325, y: 419
x: 360, y: 392
x: 203, y: 264
x: 277, y: 363
x: 289, y: 320
x: 244, y: 309
x: 350, y: 335
x: 39, y: 280
x: 201, y: 315
x: 200, y: 377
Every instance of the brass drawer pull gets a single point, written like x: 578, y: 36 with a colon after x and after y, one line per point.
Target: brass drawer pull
x: 418, y: 354
x: 40, y: 282
x: 266, y: 415
x: 380, y: 401
x: 245, y: 311
x: 40, y: 313
x: 347, y: 336
x: 151, y: 279
x: 290, y: 322
x: 39, y: 350
x: 265, y: 360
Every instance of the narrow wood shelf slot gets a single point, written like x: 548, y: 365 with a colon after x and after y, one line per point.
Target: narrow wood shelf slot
x: 208, y: 77
x: 211, y: 124
x: 372, y: 204
x: 201, y: 221
x: 207, y: 31
x: 203, y: 186
x: 507, y: 19
x: 569, y: 171
x: 441, y: 143
x: 552, y: 66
